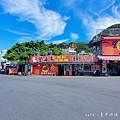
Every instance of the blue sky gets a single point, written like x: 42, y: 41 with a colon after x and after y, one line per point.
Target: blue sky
x: 55, y: 21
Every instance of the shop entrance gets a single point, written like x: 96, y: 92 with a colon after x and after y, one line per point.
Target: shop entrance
x: 60, y: 69
x: 112, y: 68
x: 119, y: 68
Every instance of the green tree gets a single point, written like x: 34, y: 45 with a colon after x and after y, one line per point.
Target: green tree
x: 18, y: 53
x: 56, y: 51
x: 82, y: 46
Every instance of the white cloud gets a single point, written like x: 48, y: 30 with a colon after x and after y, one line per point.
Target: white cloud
x: 48, y: 23
x: 96, y: 14
x: 16, y: 32
x: 29, y: 38
x: 68, y: 3
x: 99, y: 6
x: 74, y: 36
x: 25, y: 39
x: 94, y: 26
x: 116, y: 11
x: 66, y: 18
x: 59, y: 41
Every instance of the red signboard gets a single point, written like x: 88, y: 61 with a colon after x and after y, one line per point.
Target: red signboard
x: 34, y: 59
x: 63, y: 58
x: 83, y: 58
x: 45, y: 69
x: 110, y: 47
x: 13, y: 71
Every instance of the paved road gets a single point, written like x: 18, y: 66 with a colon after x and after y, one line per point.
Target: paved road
x: 59, y: 98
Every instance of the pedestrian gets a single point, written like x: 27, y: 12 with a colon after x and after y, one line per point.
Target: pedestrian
x: 94, y: 73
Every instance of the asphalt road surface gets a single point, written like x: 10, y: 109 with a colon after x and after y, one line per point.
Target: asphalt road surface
x: 59, y: 98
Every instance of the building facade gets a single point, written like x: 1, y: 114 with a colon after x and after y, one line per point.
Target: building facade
x: 64, y: 65
x: 107, y: 49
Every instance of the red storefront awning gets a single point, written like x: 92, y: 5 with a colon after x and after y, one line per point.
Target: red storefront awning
x: 109, y: 57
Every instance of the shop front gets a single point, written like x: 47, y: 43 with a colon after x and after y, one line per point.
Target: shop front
x: 110, y: 65
x: 64, y: 65
x: 107, y: 49
x: 113, y: 68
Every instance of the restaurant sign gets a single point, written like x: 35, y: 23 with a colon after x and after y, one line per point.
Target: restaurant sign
x: 63, y: 58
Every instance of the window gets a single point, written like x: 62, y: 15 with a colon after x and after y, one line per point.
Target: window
x: 87, y: 67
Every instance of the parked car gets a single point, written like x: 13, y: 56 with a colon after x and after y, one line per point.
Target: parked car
x: 7, y: 68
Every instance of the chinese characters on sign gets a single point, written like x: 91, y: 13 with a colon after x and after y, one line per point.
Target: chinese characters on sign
x: 61, y: 59
x: 64, y: 58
